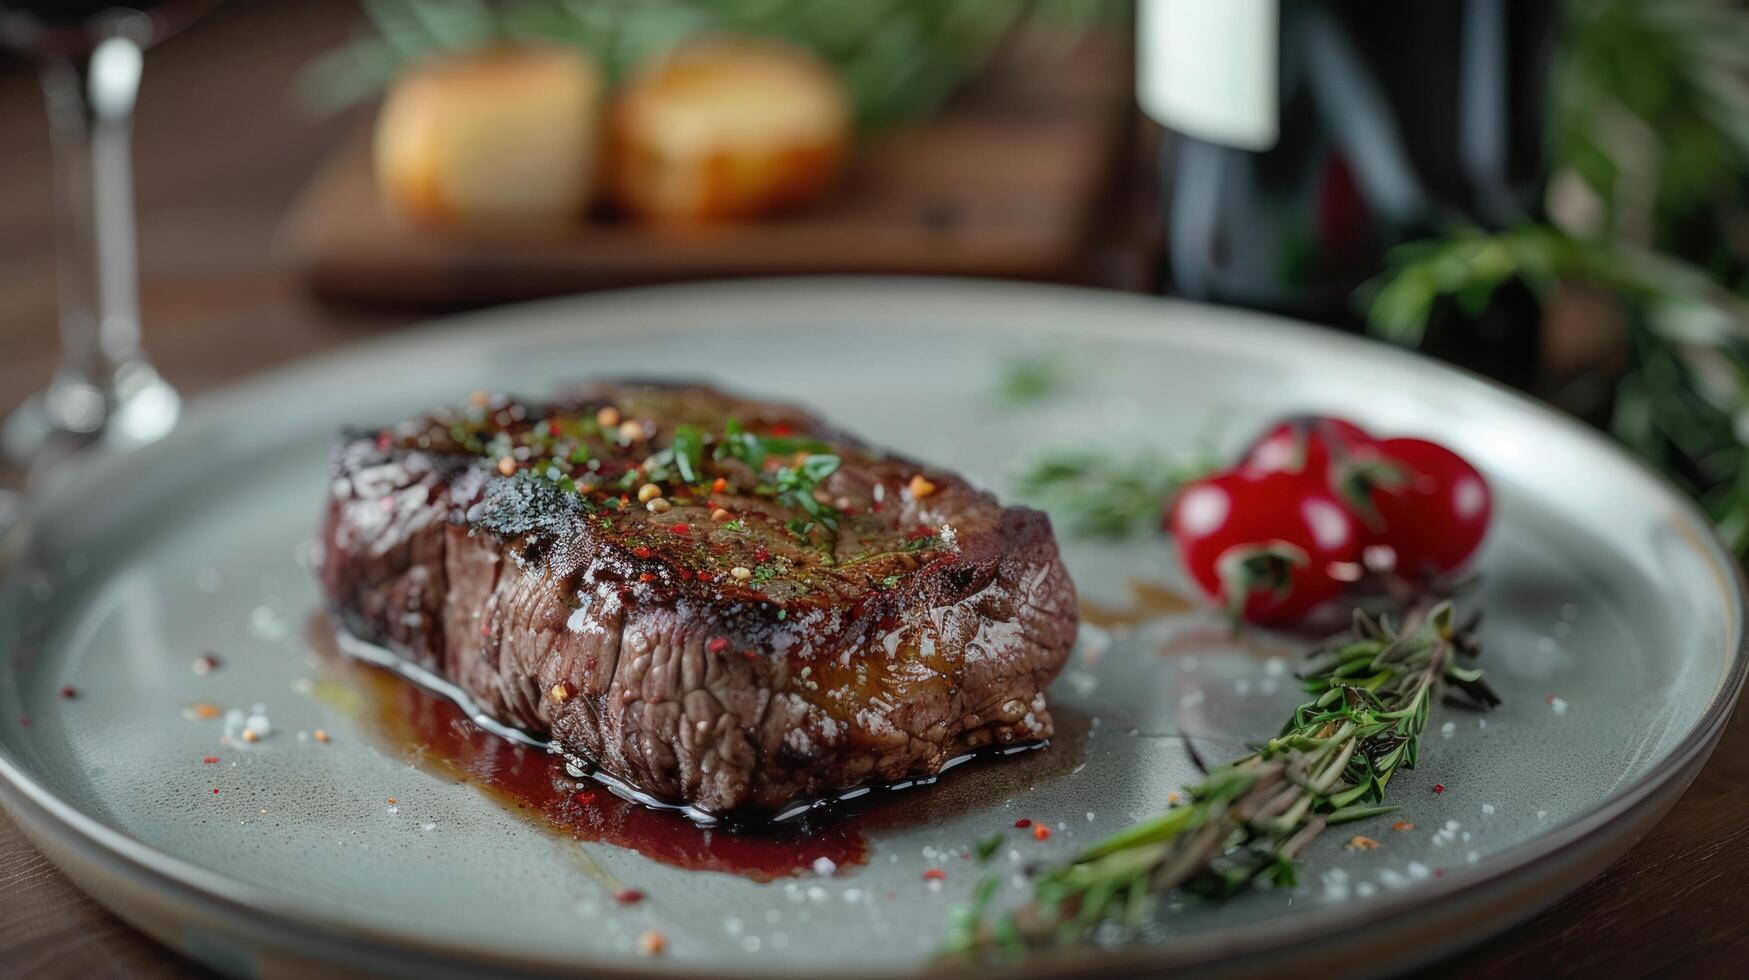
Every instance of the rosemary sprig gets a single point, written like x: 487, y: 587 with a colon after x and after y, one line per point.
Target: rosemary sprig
x: 1247, y: 820
x: 1105, y: 494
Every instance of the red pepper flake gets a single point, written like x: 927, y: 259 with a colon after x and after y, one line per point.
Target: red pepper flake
x: 702, y: 576
x: 680, y: 529
x: 68, y: 692
x: 646, y: 577
x: 934, y: 874
x: 215, y: 791
x: 628, y: 896
x: 762, y: 555
x: 1040, y: 832
x: 750, y: 655
x: 1023, y: 823
x: 553, y: 429
x: 1439, y: 787
x: 1402, y: 825
x: 384, y: 439
x: 642, y: 552
x: 781, y: 429
x: 209, y: 759
x: 719, y: 485
x: 717, y: 644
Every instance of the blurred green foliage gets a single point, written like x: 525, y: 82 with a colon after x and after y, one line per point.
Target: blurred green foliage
x: 1649, y: 202
x: 899, y: 58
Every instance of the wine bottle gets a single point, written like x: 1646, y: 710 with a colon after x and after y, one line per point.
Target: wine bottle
x: 1305, y: 138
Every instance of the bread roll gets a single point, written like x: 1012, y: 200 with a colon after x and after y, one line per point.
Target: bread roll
x: 502, y: 137
x: 727, y: 128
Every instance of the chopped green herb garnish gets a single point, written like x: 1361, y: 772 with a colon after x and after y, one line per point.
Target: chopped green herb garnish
x: 987, y: 848
x: 688, y: 452
x: 794, y: 485
x: 738, y: 443
x: 1031, y: 379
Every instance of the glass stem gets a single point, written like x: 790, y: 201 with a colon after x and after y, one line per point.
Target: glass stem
x: 90, y: 107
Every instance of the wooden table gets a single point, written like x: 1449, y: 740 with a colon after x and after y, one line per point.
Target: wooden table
x: 221, y: 154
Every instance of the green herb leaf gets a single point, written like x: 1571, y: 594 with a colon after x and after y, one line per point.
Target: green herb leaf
x: 987, y: 848
x: 688, y: 446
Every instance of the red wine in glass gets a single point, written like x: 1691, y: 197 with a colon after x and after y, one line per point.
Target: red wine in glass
x: 89, y: 54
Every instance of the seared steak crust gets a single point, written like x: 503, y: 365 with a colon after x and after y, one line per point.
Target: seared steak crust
x: 782, y: 649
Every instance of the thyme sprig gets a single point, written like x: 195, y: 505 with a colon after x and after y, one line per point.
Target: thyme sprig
x: 1246, y: 822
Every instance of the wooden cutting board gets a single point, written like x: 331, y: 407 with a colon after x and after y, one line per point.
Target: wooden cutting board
x: 1008, y: 180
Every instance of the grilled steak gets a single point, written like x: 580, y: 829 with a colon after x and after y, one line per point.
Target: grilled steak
x: 722, y: 603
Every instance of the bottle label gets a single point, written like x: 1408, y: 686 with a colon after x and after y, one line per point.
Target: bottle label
x: 1207, y: 69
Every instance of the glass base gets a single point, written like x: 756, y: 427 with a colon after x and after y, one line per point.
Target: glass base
x: 71, y: 415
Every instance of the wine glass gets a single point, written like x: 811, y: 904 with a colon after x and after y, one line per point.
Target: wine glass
x: 89, y: 53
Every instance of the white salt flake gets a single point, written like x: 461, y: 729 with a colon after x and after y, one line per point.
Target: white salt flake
x: 1487, y: 809
x: 266, y: 624
x: 825, y: 867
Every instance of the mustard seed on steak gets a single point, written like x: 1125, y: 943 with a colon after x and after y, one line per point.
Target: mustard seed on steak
x: 720, y: 602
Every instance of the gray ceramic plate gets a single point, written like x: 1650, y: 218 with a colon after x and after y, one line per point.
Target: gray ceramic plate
x: 1614, y: 633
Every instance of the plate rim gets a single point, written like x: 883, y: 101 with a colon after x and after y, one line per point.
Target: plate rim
x: 101, y: 845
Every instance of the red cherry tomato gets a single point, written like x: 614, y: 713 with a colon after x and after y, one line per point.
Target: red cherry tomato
x: 1305, y: 444
x: 1268, y: 546
x: 1433, y: 508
